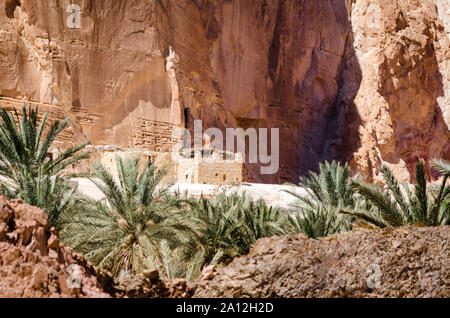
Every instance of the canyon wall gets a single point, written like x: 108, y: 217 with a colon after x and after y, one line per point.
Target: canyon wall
x: 109, y: 76
x: 400, y: 110
x: 365, y: 81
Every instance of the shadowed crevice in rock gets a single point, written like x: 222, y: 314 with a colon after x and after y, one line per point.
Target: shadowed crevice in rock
x: 342, y: 136
x: 274, y: 49
x: 335, y: 135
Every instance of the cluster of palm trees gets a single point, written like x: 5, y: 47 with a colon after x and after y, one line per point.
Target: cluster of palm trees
x: 337, y: 202
x: 25, y: 170
x: 140, y: 225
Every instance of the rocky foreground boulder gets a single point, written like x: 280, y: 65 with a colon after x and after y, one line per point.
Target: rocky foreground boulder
x: 404, y: 262
x: 33, y: 263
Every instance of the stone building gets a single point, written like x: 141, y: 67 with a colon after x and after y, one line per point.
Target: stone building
x: 194, y: 166
x: 208, y: 166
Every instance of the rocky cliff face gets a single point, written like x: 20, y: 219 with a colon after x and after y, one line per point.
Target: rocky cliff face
x: 399, y: 102
x: 364, y: 80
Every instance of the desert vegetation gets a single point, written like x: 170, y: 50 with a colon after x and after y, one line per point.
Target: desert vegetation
x: 424, y: 205
x: 133, y: 228
x: 140, y: 226
x: 25, y: 170
x: 327, y: 192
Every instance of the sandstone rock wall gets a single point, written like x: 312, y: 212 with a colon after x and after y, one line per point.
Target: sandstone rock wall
x: 396, y: 109
x: 109, y: 76
x: 361, y: 80
x: 271, y: 64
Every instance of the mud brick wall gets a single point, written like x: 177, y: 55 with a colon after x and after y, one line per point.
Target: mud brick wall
x: 221, y: 173
x: 161, y: 160
x: 209, y: 170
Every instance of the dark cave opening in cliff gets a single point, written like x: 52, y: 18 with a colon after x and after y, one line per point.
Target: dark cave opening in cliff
x: 10, y: 7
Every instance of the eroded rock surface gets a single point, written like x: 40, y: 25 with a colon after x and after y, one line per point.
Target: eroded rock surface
x: 32, y: 261
x: 142, y: 286
x: 403, y: 262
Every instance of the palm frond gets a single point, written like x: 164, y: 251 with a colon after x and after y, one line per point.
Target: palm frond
x: 441, y: 166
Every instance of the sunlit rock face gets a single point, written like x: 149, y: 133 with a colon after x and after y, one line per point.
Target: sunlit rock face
x: 361, y: 81
x: 401, y: 96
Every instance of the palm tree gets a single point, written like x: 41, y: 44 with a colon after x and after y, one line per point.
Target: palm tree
x: 184, y: 261
x: 262, y: 220
x: 136, y: 223
x: 331, y: 187
x: 428, y: 206
x: 219, y: 223
x: 315, y: 214
x: 316, y: 223
x: 25, y: 170
x: 232, y: 223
